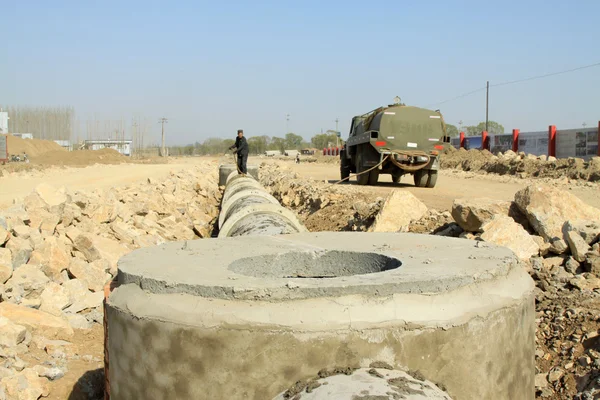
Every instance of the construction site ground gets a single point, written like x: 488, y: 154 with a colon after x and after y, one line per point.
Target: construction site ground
x: 451, y: 184
x: 19, y: 180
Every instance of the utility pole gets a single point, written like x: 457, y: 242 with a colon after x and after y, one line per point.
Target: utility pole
x: 584, y: 125
x: 287, y: 123
x: 337, y: 138
x: 162, y: 121
x: 487, y: 103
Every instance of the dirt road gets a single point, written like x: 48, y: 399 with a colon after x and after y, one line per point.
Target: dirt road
x: 19, y: 185
x: 450, y: 185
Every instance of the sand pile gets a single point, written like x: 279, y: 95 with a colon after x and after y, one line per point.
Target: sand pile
x: 80, y: 157
x: 32, y: 147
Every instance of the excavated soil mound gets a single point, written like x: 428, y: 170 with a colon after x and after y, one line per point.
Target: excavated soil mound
x: 523, y: 165
x: 80, y: 157
x: 31, y: 147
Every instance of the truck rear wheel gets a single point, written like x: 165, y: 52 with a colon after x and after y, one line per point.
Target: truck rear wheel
x: 344, y: 166
x: 362, y: 177
x: 373, y: 177
x: 432, y: 179
x: 421, y: 178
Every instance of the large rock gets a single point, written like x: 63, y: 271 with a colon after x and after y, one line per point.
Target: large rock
x: 398, y: 210
x: 83, y: 243
x: 11, y: 334
x: 94, y: 274
x: 50, y: 195
x: 80, y: 297
x: 588, y: 230
x: 4, y: 235
x: 54, y: 298
x: 29, y: 277
x: 104, y: 213
x: 548, y: 209
x: 109, y: 250
x: 504, y: 231
x: 472, y: 214
x: 43, y: 220
x: 26, y: 385
x: 42, y: 322
x: 21, y: 251
x: 124, y: 232
x: 51, y: 257
x: 577, y: 244
x: 178, y: 230
x: 6, y: 267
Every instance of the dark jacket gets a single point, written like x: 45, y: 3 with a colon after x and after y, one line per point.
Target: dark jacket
x: 241, y: 145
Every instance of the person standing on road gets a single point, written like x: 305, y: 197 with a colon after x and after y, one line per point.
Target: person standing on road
x: 241, y: 148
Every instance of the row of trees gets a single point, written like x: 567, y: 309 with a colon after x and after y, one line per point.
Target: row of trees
x: 256, y: 144
x: 473, y: 130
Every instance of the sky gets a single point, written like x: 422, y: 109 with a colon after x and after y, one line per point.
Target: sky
x: 214, y: 67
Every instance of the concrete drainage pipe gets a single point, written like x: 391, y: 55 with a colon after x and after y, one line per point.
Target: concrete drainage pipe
x: 247, y: 209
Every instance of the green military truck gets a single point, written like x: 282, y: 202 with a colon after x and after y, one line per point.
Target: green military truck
x: 395, y: 140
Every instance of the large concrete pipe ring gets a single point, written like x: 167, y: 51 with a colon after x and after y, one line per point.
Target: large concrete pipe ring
x: 243, y: 199
x: 227, y: 169
x: 261, y: 220
x: 239, y: 184
x: 246, y: 317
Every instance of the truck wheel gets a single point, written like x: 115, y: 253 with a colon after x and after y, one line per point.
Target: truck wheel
x: 344, y: 166
x: 361, y: 177
x: 396, y: 178
x: 421, y: 178
x: 373, y: 177
x: 432, y: 178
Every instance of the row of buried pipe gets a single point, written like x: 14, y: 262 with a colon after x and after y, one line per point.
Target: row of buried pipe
x: 247, y: 209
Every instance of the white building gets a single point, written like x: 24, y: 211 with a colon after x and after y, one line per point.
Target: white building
x: 3, y: 121
x: 122, y: 146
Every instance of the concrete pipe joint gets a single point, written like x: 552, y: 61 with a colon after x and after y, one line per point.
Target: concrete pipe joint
x: 246, y: 318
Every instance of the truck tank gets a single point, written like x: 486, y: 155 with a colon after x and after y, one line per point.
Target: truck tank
x: 396, y: 140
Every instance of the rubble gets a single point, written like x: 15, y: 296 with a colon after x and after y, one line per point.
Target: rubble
x: 58, y: 250
x: 521, y: 165
x: 548, y: 209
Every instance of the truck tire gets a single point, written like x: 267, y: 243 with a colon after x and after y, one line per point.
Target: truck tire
x: 373, y: 177
x: 362, y: 178
x: 396, y: 178
x: 421, y: 178
x: 431, y: 178
x: 344, y: 166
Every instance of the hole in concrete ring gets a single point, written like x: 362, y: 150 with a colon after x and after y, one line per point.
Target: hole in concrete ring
x: 314, y: 264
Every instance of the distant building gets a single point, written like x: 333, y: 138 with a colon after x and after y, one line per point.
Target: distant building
x: 3, y: 121
x: 308, y: 152
x: 122, y: 146
x: 65, y: 144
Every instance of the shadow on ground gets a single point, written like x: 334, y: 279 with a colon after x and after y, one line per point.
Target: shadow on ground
x: 90, y: 386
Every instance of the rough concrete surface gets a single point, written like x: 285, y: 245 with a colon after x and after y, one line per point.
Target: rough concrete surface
x: 365, y: 384
x: 463, y: 318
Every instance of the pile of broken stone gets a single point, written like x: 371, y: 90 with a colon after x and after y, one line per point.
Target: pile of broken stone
x: 59, y: 248
x: 558, y: 238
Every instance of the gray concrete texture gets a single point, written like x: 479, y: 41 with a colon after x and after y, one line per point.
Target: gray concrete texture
x: 365, y: 384
x: 247, y: 209
x: 245, y: 318
x: 225, y: 170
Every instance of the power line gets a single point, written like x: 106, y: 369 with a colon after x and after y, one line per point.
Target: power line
x: 516, y: 81
x: 457, y: 97
x: 546, y: 75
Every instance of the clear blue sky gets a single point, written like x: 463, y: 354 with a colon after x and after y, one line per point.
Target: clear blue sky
x: 213, y: 67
